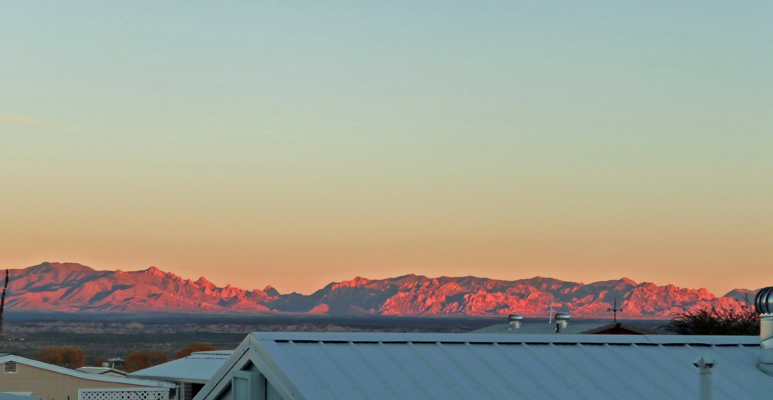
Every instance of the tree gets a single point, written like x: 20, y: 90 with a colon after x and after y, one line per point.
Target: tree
x: 722, y: 320
x: 192, y: 348
x: 99, y: 361
x: 64, y: 356
x: 2, y: 301
x: 144, y: 359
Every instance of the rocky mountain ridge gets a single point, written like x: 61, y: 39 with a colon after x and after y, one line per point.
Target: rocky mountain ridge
x: 69, y: 287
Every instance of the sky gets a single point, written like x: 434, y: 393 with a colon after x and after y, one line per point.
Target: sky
x: 298, y: 143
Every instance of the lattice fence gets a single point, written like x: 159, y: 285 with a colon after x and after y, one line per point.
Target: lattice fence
x: 124, y: 394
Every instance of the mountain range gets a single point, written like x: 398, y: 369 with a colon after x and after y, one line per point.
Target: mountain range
x: 70, y: 287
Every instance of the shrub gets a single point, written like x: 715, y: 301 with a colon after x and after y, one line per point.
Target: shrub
x: 144, y: 359
x: 99, y: 361
x: 717, y: 321
x: 64, y: 356
x: 192, y: 348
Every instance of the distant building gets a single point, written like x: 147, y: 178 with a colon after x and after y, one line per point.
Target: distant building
x: 116, y: 363
x: 341, y: 366
x: 190, y: 374
x: 52, y: 382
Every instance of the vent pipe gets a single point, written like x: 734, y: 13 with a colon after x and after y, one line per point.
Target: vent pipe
x: 515, y: 321
x: 764, y: 305
x: 705, y: 377
x: 562, y: 321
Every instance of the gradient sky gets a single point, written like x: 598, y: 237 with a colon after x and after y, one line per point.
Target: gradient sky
x: 298, y: 143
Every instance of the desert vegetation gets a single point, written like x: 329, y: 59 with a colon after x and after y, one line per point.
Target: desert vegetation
x: 192, y: 348
x: 64, y: 356
x: 715, y: 320
x: 144, y: 359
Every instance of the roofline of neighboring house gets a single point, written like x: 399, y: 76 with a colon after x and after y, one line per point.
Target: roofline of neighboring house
x: 618, y: 325
x: 112, y: 371
x: 492, y: 338
x: 226, y: 353
x: 84, y: 375
x: 106, y: 371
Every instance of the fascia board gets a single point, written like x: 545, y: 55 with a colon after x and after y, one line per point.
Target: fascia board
x: 217, y: 382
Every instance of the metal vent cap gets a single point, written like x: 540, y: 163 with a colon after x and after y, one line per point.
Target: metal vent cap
x: 515, y: 317
x: 764, y: 301
x: 562, y: 316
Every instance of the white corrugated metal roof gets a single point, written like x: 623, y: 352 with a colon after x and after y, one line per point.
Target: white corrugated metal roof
x: 198, y: 367
x: 317, y: 366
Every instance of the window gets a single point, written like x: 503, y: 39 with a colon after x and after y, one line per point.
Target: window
x: 10, y: 367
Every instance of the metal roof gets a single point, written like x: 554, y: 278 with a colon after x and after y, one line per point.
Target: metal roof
x: 317, y: 366
x: 198, y: 367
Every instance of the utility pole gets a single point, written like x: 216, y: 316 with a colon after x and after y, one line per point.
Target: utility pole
x: 2, y: 301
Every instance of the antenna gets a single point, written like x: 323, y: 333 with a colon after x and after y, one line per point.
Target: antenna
x: 550, y: 318
x: 615, y: 310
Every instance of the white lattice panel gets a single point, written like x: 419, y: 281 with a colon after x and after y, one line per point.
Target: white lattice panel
x: 123, y: 394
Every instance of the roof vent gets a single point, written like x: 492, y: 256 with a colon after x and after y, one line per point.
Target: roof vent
x: 515, y: 321
x: 562, y: 321
x: 705, y: 384
x: 764, y: 301
x: 764, y: 305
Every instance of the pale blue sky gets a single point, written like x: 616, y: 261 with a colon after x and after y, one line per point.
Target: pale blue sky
x: 253, y: 143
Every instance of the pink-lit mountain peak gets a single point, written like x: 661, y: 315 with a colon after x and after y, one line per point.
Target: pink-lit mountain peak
x: 70, y: 287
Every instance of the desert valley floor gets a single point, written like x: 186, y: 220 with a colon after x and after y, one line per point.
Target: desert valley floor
x: 106, y: 336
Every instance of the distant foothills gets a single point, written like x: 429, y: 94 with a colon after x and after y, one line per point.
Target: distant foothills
x: 69, y: 287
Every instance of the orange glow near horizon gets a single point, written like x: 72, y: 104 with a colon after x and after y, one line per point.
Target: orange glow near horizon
x: 298, y: 144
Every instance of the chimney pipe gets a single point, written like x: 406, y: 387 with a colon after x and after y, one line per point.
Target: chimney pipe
x: 515, y: 321
x: 705, y: 381
x: 764, y: 305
